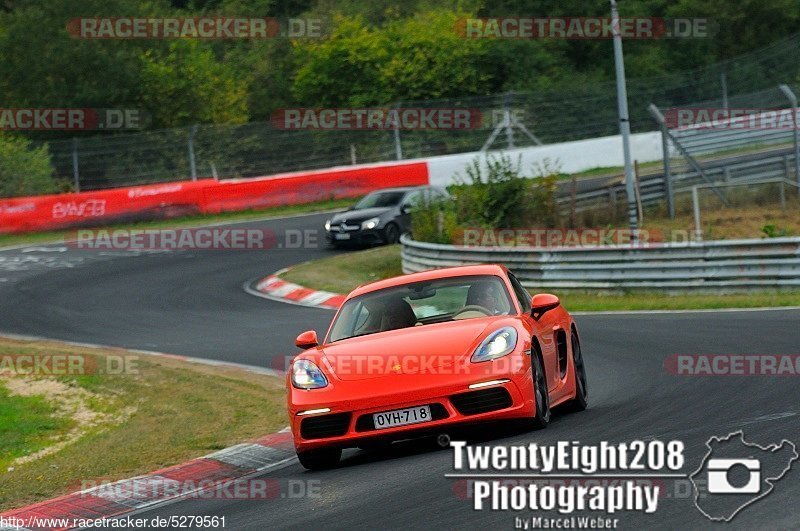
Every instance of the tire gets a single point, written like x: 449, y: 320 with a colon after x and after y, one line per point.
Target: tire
x: 581, y: 400
x: 541, y: 396
x: 320, y: 459
x: 391, y: 234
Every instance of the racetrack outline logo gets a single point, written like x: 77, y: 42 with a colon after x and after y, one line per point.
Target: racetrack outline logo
x: 716, y: 474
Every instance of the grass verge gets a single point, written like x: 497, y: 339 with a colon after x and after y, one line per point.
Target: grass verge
x: 342, y: 273
x: 185, y: 221
x: 101, y: 423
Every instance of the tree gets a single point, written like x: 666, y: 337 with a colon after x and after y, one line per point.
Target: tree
x: 429, y: 59
x: 25, y: 170
x: 187, y: 84
x: 343, y: 70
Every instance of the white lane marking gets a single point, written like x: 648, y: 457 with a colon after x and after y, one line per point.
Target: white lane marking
x: 44, y: 250
x: 767, y: 418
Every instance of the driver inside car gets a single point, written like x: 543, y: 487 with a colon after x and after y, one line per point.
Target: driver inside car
x: 484, y: 294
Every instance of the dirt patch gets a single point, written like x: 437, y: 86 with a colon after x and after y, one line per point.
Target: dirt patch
x: 72, y: 402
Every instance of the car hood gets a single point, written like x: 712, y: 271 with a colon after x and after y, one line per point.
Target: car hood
x: 407, y: 351
x: 357, y: 216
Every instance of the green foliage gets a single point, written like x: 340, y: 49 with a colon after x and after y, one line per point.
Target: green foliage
x: 493, y: 195
x: 186, y: 84
x: 378, y: 52
x: 344, y: 69
x: 428, y: 59
x: 771, y: 230
x: 25, y: 170
x: 434, y: 221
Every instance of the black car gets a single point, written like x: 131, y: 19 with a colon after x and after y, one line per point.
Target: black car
x: 380, y: 217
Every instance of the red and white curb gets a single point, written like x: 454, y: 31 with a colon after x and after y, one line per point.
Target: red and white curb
x: 197, y: 477
x: 275, y: 288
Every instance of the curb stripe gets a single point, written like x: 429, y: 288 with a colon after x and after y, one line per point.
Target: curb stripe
x: 118, y: 498
x: 276, y: 288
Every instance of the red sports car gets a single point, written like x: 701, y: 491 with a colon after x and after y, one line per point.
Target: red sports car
x: 420, y: 353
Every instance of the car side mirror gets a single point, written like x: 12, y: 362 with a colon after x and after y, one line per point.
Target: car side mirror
x: 307, y: 339
x: 405, y: 209
x: 543, y: 303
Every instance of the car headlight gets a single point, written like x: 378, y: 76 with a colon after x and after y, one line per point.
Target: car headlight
x: 496, y: 345
x: 328, y: 225
x: 306, y: 375
x: 370, y: 223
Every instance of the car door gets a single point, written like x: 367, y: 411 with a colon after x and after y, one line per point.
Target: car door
x: 545, y: 329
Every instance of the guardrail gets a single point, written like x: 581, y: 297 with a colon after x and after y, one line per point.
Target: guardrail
x: 731, y: 264
x: 750, y: 168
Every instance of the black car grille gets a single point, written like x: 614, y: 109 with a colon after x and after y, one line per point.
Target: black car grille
x: 367, y: 423
x: 343, y: 227
x: 325, y: 426
x: 481, y: 401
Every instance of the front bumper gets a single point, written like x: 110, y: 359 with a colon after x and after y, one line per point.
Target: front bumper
x: 355, y: 237
x: 349, y: 421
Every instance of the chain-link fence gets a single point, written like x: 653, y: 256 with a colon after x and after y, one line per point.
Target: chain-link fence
x: 581, y: 111
x: 722, y: 209
x: 755, y: 140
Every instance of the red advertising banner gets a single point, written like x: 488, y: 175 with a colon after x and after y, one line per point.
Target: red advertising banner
x: 168, y: 200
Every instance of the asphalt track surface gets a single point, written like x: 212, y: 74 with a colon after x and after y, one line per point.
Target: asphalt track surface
x: 192, y: 303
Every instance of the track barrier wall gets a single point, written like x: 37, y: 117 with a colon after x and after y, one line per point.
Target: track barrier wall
x: 206, y: 196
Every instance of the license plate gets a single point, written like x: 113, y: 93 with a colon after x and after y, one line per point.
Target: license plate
x: 401, y: 417
x: 344, y: 236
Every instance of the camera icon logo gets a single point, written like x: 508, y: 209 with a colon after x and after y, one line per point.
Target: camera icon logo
x: 736, y: 473
x: 720, y: 470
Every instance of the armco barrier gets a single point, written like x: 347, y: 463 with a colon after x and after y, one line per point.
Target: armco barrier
x: 734, y: 264
x: 173, y: 199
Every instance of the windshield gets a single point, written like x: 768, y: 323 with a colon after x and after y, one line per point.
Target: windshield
x: 422, y: 303
x: 380, y: 199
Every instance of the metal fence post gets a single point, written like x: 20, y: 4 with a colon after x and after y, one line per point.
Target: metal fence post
x: 192, y: 162
x: 787, y: 173
x: 698, y: 231
x: 793, y: 100
x: 723, y: 81
x: 667, y: 165
x: 398, y: 146
x: 507, y: 120
x: 75, y: 169
x: 783, y: 195
x: 624, y: 119
x: 686, y: 155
